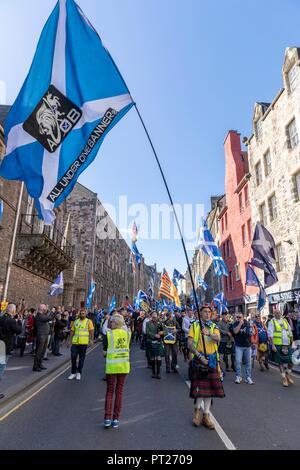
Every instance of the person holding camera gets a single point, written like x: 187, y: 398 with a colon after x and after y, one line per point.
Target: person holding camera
x: 204, y: 371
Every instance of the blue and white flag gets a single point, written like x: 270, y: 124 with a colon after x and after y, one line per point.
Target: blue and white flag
x: 252, y: 280
x: 207, y: 244
x: 57, y: 287
x: 1, y: 210
x: 201, y: 283
x: 263, y: 247
x: 221, y: 303
x: 141, y: 296
x: 136, y: 253
x: 113, y: 304
x: 89, y: 299
x: 177, y: 276
x: 130, y: 308
x: 151, y: 288
x: 72, y: 97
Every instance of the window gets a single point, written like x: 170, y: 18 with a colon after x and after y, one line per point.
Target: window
x: 226, y: 283
x: 297, y: 182
x: 230, y: 280
x: 268, y: 163
x: 244, y: 238
x: 258, y: 173
x: 246, y: 195
x: 226, y: 225
x: 222, y: 224
x: 293, y: 76
x: 228, y: 248
x: 249, y: 229
x: 29, y: 210
x: 237, y: 272
x: 292, y: 134
x: 273, y: 207
x: 259, y: 129
x: 241, y: 202
x: 263, y: 213
x: 280, y: 262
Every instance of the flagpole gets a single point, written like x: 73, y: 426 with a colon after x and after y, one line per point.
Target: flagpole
x: 13, y: 242
x: 169, y: 194
x: 175, y: 214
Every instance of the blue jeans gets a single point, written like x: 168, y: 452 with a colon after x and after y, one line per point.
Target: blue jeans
x: 240, y: 355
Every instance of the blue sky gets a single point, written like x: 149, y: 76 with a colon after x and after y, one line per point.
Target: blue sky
x: 195, y: 68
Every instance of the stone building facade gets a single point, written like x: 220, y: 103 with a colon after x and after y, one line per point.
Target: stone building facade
x: 101, y: 252
x: 236, y: 225
x: 274, y: 165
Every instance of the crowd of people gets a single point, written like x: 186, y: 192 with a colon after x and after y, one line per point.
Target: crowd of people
x: 212, y: 344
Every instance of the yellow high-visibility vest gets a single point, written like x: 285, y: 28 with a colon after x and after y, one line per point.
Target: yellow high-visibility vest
x: 196, y: 327
x: 81, y: 331
x: 117, y: 355
x: 277, y: 335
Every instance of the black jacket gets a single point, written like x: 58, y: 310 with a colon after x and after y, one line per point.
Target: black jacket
x: 8, y: 328
x: 42, y: 327
x: 59, y: 326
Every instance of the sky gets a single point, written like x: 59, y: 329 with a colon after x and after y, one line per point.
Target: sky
x: 195, y: 70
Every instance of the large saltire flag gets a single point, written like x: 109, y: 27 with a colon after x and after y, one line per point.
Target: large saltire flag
x: 71, y: 98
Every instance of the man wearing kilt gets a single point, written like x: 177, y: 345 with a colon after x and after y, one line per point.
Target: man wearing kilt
x: 205, y: 385
x: 281, y: 338
x: 155, y: 332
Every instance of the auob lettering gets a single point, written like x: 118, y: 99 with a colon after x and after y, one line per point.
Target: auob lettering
x: 94, y: 137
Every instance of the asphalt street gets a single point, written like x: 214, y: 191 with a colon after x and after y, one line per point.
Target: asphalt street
x: 156, y: 413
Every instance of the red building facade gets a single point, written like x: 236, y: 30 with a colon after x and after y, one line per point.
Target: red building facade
x: 236, y: 225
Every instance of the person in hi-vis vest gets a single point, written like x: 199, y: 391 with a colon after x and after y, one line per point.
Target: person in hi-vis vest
x: 117, y: 368
x: 82, y: 335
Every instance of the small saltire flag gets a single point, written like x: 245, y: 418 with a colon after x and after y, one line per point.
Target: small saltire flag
x: 113, y: 304
x: 1, y: 210
x: 177, y: 276
x: 151, y: 288
x: 57, y: 287
x: 207, y: 244
x: 165, y: 286
x: 72, y: 97
x: 201, y: 283
x: 252, y: 280
x: 141, y: 297
x: 220, y: 302
x: 136, y: 253
x: 263, y: 246
x: 89, y: 299
x: 130, y: 308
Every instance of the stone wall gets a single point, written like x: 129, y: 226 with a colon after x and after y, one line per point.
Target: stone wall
x: 281, y: 181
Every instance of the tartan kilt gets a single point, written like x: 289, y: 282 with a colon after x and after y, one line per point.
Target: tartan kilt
x: 210, y: 386
x: 156, y: 349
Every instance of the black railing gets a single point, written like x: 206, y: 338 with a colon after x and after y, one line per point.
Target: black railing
x: 31, y: 225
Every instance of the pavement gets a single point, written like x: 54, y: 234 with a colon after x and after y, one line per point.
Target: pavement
x: 62, y: 414
x: 19, y: 376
